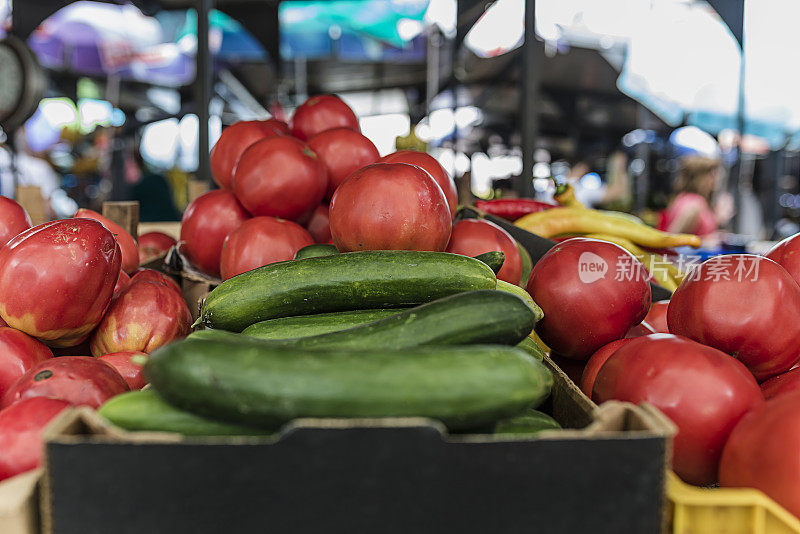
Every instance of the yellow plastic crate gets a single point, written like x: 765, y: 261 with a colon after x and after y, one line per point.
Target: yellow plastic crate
x: 725, y: 511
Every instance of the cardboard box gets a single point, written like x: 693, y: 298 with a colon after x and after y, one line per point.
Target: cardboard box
x: 19, y: 503
x: 605, y: 475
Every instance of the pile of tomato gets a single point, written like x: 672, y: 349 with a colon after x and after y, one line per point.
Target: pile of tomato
x: 728, y: 339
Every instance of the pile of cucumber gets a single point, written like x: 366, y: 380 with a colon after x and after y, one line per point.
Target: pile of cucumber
x: 362, y: 334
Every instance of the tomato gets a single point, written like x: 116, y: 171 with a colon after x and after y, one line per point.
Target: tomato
x: 206, y: 223
x: 657, y: 316
x: 321, y: 113
x: 79, y: 380
x: 390, y: 206
x: 319, y: 225
x: 471, y: 237
x: 278, y: 125
x: 13, y: 220
x: 234, y: 140
x: 123, y: 281
x: 280, y: 177
x: 151, y: 275
x: 342, y: 151
x: 641, y: 329
x: 21, y: 427
x: 433, y: 167
x: 592, y: 292
x: 128, y: 247
x: 260, y: 241
x: 2, y: 322
x: 596, y: 362
x: 146, y: 316
x: 781, y: 384
x: 702, y: 390
x: 762, y: 450
x: 787, y: 254
x: 744, y: 305
x: 18, y: 353
x: 129, y: 364
x: 56, y: 279
x: 153, y: 245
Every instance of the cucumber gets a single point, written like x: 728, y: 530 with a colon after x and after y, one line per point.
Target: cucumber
x: 529, y: 422
x: 484, y: 316
x: 521, y: 293
x: 314, y: 251
x: 146, y: 411
x: 527, y: 265
x: 256, y: 383
x: 313, y: 325
x: 530, y: 346
x: 493, y: 259
x: 352, y: 281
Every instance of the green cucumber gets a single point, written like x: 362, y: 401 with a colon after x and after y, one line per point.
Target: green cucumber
x: 146, y: 411
x: 493, y: 259
x: 315, y: 251
x: 313, y: 325
x: 356, y: 280
x: 530, y: 346
x: 529, y: 422
x: 527, y: 264
x: 484, y: 316
x: 521, y: 293
x: 260, y: 384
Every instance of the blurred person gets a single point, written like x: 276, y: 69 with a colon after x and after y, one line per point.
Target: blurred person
x: 151, y: 190
x: 591, y: 191
x: 697, y: 207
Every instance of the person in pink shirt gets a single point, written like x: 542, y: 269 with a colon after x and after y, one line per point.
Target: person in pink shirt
x: 691, y: 210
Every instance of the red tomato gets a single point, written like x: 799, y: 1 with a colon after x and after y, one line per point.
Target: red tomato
x: 787, y: 255
x: 390, y: 206
x: 129, y: 365
x: 641, y: 329
x: 260, y: 241
x: 279, y: 177
x: 130, y: 252
x: 342, y: 151
x: 146, y: 316
x: 433, y: 167
x: 657, y: 316
x: 762, y: 450
x: 278, y: 125
x: 592, y: 292
x: 744, y: 305
x: 233, y: 141
x: 13, y: 220
x: 319, y: 225
x: 321, y: 113
x: 123, y: 281
x: 2, y: 322
x: 471, y: 237
x: 781, y: 384
x: 153, y: 245
x: 596, y: 362
x: 79, y: 380
x: 703, y: 390
x: 18, y: 353
x: 151, y: 275
x: 206, y: 223
x: 56, y: 279
x: 21, y: 427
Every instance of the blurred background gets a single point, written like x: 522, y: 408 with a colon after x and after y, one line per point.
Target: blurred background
x: 643, y: 105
